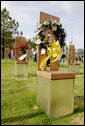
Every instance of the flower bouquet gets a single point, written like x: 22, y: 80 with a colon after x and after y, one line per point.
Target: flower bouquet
x: 53, y: 47
x: 57, y: 29
x: 23, y: 49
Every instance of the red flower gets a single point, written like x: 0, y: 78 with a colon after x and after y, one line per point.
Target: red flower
x: 23, y: 46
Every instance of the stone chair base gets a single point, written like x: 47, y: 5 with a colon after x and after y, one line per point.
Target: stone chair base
x: 21, y: 69
x: 55, y: 92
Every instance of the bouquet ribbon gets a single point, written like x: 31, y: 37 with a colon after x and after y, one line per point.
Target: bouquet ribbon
x: 55, y: 51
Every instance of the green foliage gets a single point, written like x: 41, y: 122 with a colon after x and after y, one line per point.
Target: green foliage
x: 80, y: 51
x: 21, y: 33
x: 57, y: 30
x: 31, y: 44
x: 8, y: 29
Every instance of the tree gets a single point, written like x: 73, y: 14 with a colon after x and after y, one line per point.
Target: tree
x: 80, y: 51
x: 31, y: 44
x: 21, y: 33
x: 8, y: 30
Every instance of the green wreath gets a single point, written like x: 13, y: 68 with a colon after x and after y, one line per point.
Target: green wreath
x: 57, y: 29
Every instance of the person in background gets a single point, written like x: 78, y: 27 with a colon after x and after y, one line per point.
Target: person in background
x: 20, y: 53
x: 9, y: 54
x: 82, y: 58
x: 12, y: 54
x: 35, y: 58
x: 62, y: 58
x: 76, y: 59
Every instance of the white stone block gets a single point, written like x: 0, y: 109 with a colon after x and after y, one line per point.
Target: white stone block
x: 56, y: 96
x: 21, y: 69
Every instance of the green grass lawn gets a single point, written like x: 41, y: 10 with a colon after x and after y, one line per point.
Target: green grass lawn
x: 18, y: 98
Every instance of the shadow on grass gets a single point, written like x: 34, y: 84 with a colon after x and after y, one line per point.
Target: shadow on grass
x: 32, y: 75
x: 20, y: 118
x: 63, y: 67
x: 79, y: 104
x: 81, y: 73
x: 81, y: 66
x: 7, y: 63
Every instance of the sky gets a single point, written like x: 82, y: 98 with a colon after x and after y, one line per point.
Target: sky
x: 71, y: 14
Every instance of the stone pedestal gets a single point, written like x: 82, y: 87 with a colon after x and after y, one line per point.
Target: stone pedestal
x: 55, y: 92
x: 74, y: 68
x: 21, y: 69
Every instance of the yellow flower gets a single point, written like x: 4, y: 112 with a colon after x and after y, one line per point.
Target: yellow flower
x: 45, y: 22
x: 59, y: 23
x: 38, y: 36
x: 55, y: 51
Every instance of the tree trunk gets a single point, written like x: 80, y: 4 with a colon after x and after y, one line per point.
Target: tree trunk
x: 3, y: 53
x: 3, y: 46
